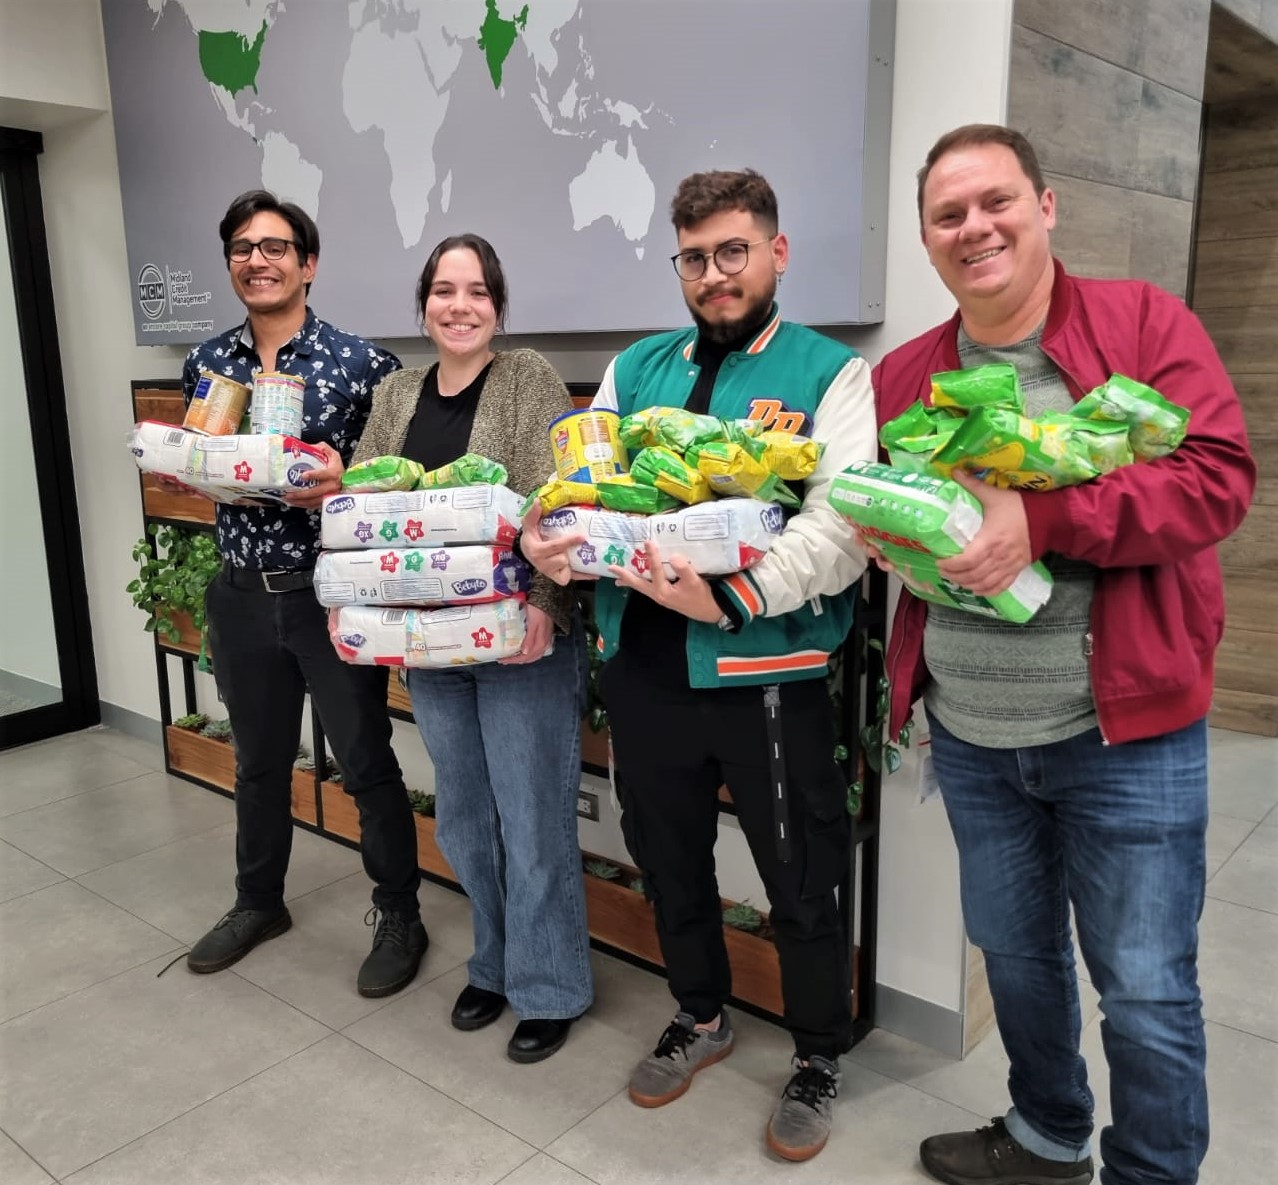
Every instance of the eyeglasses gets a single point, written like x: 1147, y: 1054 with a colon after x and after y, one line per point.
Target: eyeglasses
x: 729, y: 258
x: 241, y: 250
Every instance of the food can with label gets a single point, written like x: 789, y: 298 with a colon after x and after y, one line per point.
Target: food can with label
x: 217, y: 406
x: 277, y: 404
x: 587, y: 445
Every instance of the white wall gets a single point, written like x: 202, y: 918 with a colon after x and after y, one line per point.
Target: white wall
x: 950, y: 68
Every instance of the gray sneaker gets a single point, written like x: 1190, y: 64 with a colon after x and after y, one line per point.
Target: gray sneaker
x: 800, y: 1124
x: 667, y: 1071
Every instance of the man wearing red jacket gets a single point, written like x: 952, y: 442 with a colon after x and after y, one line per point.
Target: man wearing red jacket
x: 1072, y: 751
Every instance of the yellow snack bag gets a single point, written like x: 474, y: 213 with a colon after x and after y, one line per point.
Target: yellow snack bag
x: 791, y: 458
x: 662, y: 467
x: 556, y: 493
x: 734, y: 473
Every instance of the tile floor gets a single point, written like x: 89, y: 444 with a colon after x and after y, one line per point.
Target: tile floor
x: 277, y: 1073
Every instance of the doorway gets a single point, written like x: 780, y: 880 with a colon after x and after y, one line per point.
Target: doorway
x: 48, y: 683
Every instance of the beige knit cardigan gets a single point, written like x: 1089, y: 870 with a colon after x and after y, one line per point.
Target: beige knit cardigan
x: 520, y: 397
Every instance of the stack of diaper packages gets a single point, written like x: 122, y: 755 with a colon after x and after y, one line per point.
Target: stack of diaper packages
x: 422, y: 576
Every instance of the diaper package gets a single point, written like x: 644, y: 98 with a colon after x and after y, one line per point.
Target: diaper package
x: 420, y: 518
x: 717, y: 537
x: 460, y: 575
x: 225, y: 468
x: 368, y: 635
x: 915, y: 520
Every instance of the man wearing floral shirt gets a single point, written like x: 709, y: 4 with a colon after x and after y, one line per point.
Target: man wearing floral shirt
x: 267, y: 632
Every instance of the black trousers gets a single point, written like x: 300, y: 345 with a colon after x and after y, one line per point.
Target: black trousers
x: 674, y: 747
x: 269, y: 649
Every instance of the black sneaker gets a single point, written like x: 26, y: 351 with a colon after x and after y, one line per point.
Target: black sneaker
x: 398, y: 945
x: 990, y: 1156
x: 234, y: 936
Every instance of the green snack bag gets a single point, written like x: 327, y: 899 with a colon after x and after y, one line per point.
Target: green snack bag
x: 916, y: 434
x: 638, y: 430
x: 674, y: 427
x: 749, y: 434
x: 661, y: 467
x: 383, y: 474
x: 1003, y: 448
x: 470, y: 469
x: 1156, y: 425
x: 734, y: 473
x: 556, y: 493
x: 915, y: 520
x: 1106, y: 445
x: 631, y: 497
x: 995, y: 385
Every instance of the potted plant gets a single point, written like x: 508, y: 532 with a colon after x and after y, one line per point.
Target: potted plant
x: 175, y: 567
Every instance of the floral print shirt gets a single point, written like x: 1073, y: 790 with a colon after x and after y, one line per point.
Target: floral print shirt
x: 341, y: 371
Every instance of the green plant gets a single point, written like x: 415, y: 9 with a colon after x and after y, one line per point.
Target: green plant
x: 596, y: 713
x: 303, y: 760
x: 603, y: 869
x: 743, y: 916
x: 192, y: 723
x: 423, y: 804
x: 881, y: 754
x: 217, y: 730
x: 637, y: 885
x: 175, y: 567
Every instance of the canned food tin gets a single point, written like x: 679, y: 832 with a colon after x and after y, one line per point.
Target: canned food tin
x: 587, y: 445
x: 217, y: 406
x: 277, y: 404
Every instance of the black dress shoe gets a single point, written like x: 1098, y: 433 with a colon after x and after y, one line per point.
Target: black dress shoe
x: 536, y: 1040
x: 234, y: 936
x: 476, y: 1008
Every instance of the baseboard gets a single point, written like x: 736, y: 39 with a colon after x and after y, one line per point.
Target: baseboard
x: 133, y: 723
x: 919, y: 1020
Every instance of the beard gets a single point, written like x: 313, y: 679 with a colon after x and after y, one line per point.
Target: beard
x: 726, y: 332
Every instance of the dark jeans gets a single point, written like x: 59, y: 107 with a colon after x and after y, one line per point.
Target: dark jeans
x: 674, y: 748
x: 1117, y: 831
x: 269, y: 649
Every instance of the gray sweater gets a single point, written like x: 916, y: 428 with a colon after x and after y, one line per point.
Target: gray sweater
x: 521, y: 395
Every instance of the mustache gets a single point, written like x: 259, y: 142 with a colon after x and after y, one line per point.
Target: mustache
x: 722, y: 290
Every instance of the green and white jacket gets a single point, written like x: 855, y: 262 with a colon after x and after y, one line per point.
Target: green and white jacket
x: 797, y: 603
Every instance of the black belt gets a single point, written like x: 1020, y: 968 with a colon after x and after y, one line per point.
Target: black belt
x: 280, y: 581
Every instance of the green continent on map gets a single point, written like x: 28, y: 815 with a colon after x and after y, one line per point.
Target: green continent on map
x: 497, y: 36
x: 229, y: 61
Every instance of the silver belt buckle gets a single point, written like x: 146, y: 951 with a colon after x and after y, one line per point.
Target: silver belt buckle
x: 266, y: 580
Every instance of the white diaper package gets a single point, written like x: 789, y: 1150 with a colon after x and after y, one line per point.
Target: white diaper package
x: 462, y: 575
x: 369, y: 635
x: 420, y: 518
x: 225, y: 468
x: 717, y: 537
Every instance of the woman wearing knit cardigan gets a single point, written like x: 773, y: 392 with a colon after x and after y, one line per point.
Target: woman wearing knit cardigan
x: 504, y: 737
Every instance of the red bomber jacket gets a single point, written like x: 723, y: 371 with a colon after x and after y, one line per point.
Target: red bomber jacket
x: 1151, y: 528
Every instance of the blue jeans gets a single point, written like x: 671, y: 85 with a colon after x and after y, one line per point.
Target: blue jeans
x: 1118, y: 831
x: 506, y: 745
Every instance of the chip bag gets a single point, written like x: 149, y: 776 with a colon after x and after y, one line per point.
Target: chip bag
x: 556, y: 493
x: 995, y: 385
x: 625, y: 494
x: 790, y: 457
x: 1156, y: 425
x: 383, y: 474
x: 470, y: 469
x: 1003, y: 448
x: 733, y: 472
x: 916, y: 434
x: 674, y: 427
x: 661, y: 467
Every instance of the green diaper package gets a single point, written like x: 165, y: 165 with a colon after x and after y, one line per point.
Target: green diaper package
x: 915, y: 520
x: 383, y: 474
x: 1156, y: 425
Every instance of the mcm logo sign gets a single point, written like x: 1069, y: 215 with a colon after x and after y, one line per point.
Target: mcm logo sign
x: 151, y: 296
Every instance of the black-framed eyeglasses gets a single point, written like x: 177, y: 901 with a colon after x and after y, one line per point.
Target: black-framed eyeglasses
x: 729, y: 258
x: 241, y: 250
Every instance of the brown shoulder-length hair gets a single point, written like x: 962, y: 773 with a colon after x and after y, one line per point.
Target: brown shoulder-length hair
x: 976, y: 135
x: 489, y: 265
x: 705, y: 194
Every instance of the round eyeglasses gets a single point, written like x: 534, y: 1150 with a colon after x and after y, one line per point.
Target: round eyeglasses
x: 241, y: 250
x: 729, y: 259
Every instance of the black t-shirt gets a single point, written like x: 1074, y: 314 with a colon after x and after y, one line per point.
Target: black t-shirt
x: 439, y: 431
x: 653, y: 637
